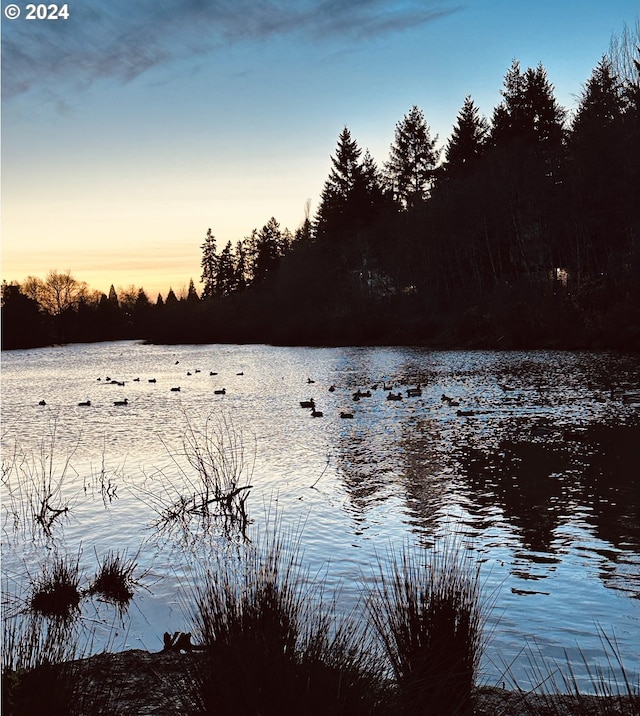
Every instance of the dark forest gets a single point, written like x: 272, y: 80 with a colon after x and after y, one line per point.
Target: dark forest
x: 522, y: 233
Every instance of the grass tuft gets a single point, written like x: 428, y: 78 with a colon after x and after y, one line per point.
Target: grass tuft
x: 55, y: 592
x: 272, y: 647
x: 114, y: 580
x: 426, y: 611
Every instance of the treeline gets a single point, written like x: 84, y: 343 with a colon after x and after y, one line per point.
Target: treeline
x: 524, y: 233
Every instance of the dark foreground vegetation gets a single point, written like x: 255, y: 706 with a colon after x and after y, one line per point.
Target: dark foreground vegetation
x: 269, y: 643
x: 525, y: 233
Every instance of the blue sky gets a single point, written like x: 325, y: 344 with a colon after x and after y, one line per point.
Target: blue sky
x: 132, y: 127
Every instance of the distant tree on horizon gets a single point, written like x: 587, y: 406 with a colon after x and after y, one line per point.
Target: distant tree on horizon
x: 192, y: 294
x: 171, y: 299
x: 58, y: 292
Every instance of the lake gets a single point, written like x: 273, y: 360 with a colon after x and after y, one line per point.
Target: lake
x: 530, y: 459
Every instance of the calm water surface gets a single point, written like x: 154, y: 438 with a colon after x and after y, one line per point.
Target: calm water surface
x: 539, y: 476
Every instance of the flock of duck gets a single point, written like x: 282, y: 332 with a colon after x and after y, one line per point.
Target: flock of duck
x: 310, y: 404
x: 412, y: 392
x: 121, y: 383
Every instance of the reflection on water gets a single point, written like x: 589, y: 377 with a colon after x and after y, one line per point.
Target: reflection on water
x: 531, y: 457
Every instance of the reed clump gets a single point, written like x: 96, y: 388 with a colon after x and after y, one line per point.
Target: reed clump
x: 55, y: 592
x: 426, y: 609
x: 272, y: 647
x: 114, y: 580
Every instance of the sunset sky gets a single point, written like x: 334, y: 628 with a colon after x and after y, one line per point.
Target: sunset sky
x: 132, y: 127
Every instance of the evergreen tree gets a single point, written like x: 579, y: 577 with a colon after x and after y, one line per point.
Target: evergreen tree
x: 142, y: 300
x: 226, y: 278
x: 601, y: 105
x: 372, y: 184
x: 241, y: 268
x: 267, y: 251
x: 209, y: 265
x: 529, y: 116
x: 467, y: 139
x: 508, y: 123
x: 604, y: 164
x: 192, y: 294
x: 113, y: 297
x: 337, y: 217
x: 304, y: 234
x: 412, y: 159
x: 142, y: 311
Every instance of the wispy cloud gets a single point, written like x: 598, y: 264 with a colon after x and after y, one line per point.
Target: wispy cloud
x: 122, y: 39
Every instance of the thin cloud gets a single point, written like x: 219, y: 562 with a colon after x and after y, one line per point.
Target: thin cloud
x: 122, y: 39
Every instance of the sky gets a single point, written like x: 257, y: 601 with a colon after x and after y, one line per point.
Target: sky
x: 133, y: 126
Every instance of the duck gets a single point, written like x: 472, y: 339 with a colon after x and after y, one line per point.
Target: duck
x: 212, y: 372
x: 394, y: 396
x: 310, y: 381
x: 240, y: 373
x: 307, y: 403
x: 414, y: 392
x: 316, y: 413
x: 222, y: 391
x: 121, y: 402
x: 152, y: 380
x: 176, y: 389
x: 332, y: 388
x: 136, y: 380
x: 42, y: 402
x: 464, y: 413
x: 346, y: 416
x: 84, y: 403
x: 188, y: 372
x: 361, y: 394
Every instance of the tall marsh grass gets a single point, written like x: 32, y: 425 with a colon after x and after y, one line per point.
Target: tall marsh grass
x: 427, y: 612
x: 273, y: 646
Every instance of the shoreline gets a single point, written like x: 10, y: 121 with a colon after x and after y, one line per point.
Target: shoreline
x: 162, y: 683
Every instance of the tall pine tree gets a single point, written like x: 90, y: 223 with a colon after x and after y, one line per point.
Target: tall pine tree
x: 337, y: 215
x: 412, y: 159
x: 209, y: 264
x: 467, y: 139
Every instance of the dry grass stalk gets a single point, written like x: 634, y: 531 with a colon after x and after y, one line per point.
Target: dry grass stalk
x: 214, y: 474
x: 34, y: 501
